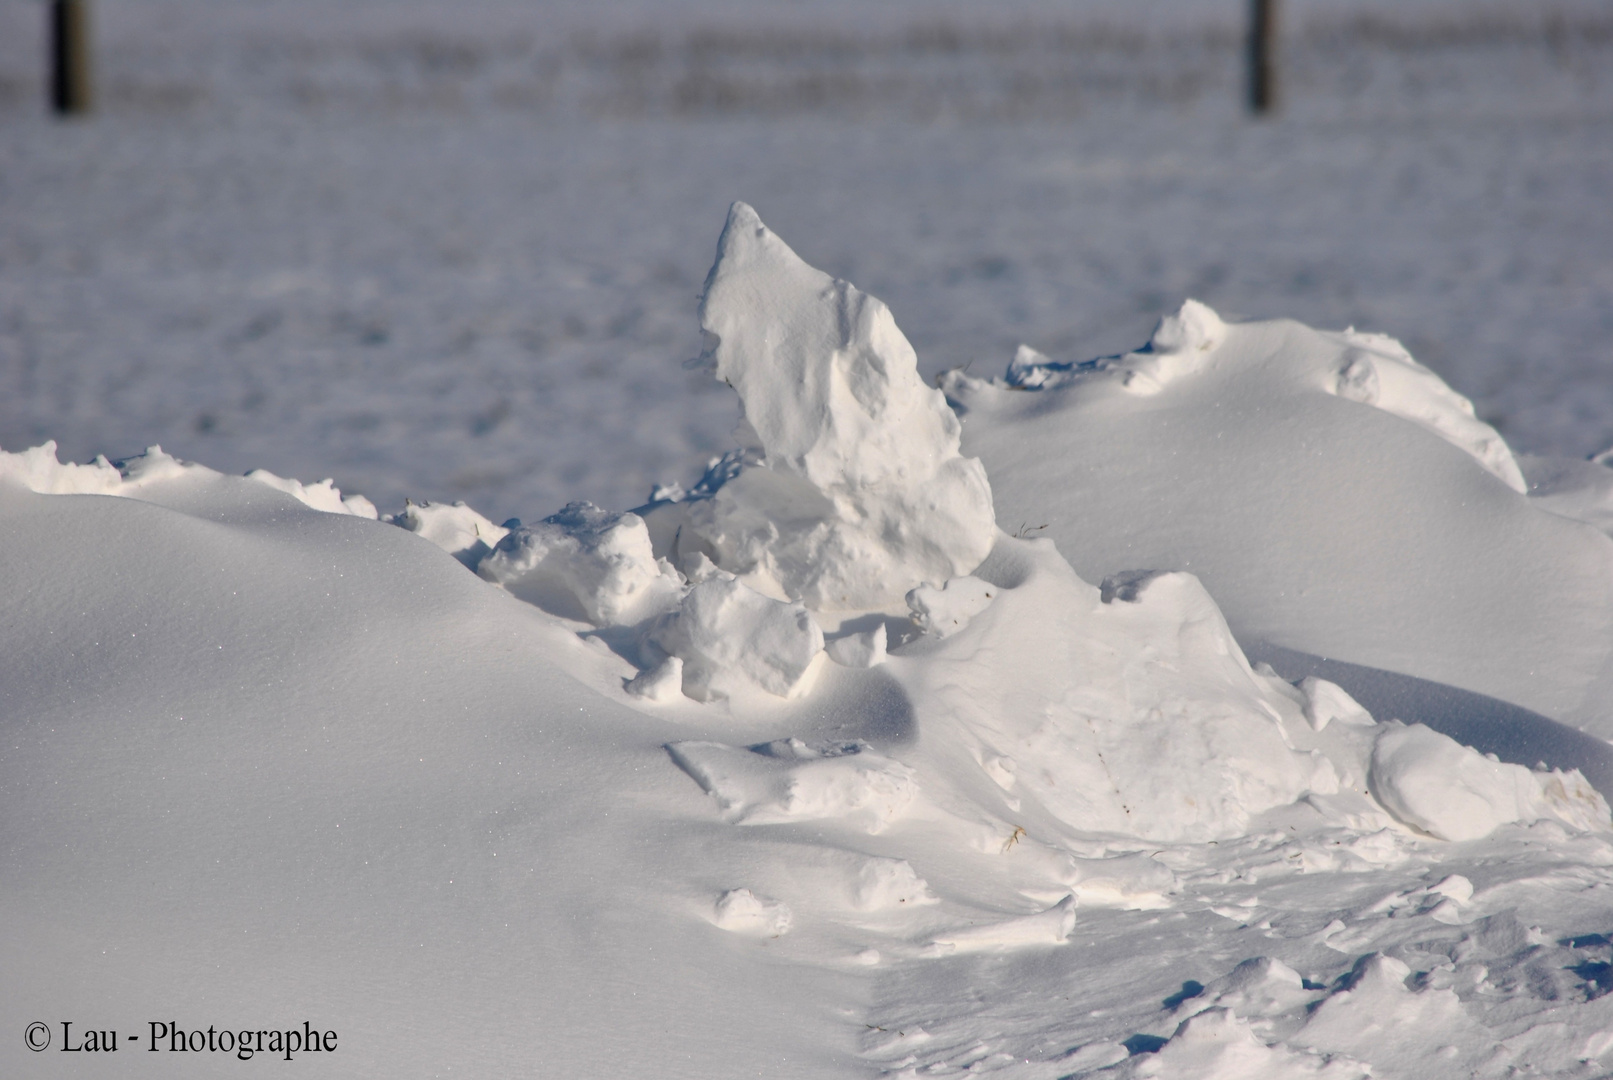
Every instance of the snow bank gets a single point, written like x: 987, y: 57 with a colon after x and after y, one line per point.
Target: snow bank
x: 853, y: 490
x: 1335, y: 497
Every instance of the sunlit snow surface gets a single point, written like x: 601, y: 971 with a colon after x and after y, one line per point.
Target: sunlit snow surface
x: 596, y: 796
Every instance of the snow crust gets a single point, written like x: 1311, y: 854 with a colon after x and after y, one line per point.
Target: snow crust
x: 812, y: 770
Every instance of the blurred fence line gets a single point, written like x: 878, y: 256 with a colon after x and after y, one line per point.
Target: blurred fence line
x: 1012, y: 69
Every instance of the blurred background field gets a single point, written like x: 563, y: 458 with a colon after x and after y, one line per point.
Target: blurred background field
x: 453, y: 251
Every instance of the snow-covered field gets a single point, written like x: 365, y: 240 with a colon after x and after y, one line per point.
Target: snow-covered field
x: 436, y: 252
x: 1232, y: 706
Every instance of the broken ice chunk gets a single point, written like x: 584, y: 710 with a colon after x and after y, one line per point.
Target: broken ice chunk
x: 730, y: 636
x: 457, y: 529
x: 662, y: 683
x: 1180, y: 345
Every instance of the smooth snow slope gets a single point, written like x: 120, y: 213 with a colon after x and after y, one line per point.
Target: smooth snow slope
x: 264, y: 764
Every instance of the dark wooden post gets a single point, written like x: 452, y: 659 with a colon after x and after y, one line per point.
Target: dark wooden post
x: 72, y: 91
x: 1262, y: 56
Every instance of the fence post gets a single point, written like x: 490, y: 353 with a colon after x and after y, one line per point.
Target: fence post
x: 72, y: 89
x: 1262, y: 56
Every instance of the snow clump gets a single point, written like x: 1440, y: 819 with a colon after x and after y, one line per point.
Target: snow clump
x: 730, y: 636
x: 851, y: 489
x: 586, y: 563
x: 1431, y: 781
x: 457, y: 529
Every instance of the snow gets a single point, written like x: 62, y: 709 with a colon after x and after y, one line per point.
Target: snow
x: 858, y: 492
x: 1388, y: 538
x: 585, y: 563
x: 1228, y: 706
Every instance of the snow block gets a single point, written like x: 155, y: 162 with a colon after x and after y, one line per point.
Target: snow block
x: 852, y: 490
x: 457, y: 529
x: 729, y: 635
x: 585, y: 563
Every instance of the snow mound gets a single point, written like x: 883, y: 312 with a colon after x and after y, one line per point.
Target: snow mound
x: 1371, y: 369
x: 1451, y: 791
x: 884, y: 884
x: 944, y: 611
x: 1335, y: 497
x: 864, y: 649
x: 1166, y: 733
x: 851, y: 489
x: 585, y: 563
x: 1326, y: 702
x: 740, y: 911
x: 790, y: 780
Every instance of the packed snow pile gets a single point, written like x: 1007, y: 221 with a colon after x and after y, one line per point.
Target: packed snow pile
x: 813, y: 770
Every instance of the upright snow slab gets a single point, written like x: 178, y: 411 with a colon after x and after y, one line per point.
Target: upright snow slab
x: 1334, y: 498
x: 854, y: 490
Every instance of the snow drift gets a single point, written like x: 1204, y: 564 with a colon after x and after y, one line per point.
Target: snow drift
x: 814, y: 770
x: 1334, y: 496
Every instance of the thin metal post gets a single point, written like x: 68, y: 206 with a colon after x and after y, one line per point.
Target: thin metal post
x: 72, y: 90
x: 1262, y: 56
